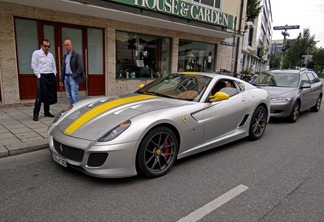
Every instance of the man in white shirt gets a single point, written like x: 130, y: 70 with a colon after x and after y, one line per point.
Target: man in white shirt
x: 44, y: 67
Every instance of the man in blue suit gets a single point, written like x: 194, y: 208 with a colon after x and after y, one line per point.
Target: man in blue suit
x: 72, y: 72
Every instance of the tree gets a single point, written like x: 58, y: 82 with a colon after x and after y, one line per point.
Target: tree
x: 275, y: 61
x: 303, y: 45
x: 318, y: 59
x: 253, y: 10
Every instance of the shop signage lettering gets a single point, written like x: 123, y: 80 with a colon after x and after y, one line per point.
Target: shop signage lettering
x: 185, y: 10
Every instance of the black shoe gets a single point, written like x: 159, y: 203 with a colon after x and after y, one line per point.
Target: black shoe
x: 35, y: 118
x: 49, y: 115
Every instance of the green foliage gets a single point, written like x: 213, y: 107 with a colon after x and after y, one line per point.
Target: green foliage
x: 275, y: 61
x: 246, y: 75
x: 301, y: 46
x: 253, y: 9
x: 318, y: 59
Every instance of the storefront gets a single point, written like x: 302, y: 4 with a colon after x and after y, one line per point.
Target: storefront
x: 123, y: 42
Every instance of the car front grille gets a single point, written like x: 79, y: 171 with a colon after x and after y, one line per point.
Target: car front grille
x: 97, y: 159
x: 69, y: 152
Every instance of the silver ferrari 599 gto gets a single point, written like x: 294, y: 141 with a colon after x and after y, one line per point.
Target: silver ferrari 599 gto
x: 145, y: 132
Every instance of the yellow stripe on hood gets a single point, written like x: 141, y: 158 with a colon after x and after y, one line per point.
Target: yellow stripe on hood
x: 96, y: 111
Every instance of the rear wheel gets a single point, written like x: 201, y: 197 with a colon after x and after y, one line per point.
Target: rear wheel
x: 294, y: 113
x: 258, y: 123
x: 317, y: 106
x: 157, y: 152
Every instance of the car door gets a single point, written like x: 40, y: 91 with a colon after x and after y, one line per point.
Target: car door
x: 223, y: 117
x: 306, y: 93
x: 316, y: 88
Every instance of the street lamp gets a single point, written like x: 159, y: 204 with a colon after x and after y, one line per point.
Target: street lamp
x: 284, y: 44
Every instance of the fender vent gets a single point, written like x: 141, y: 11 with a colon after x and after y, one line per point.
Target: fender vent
x: 244, y: 120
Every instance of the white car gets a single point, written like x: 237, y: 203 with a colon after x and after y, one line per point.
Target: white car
x: 145, y: 132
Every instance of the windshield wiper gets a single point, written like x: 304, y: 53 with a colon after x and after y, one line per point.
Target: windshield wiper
x: 154, y: 94
x: 160, y: 94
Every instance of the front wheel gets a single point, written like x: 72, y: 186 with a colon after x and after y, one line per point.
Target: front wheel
x: 258, y: 123
x: 157, y: 152
x: 294, y: 113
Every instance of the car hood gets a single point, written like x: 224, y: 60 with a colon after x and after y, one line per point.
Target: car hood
x: 95, y: 119
x: 279, y: 91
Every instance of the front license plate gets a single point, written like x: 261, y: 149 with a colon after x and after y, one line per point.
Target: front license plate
x: 59, y: 160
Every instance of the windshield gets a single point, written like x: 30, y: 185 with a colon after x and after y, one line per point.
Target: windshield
x: 178, y: 86
x: 277, y: 79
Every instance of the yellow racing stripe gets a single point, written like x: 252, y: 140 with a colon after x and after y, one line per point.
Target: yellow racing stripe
x: 96, y: 111
x: 188, y: 73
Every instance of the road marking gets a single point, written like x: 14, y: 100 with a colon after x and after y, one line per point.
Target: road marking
x: 213, y: 205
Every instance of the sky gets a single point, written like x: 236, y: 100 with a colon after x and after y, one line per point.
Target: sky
x: 305, y: 13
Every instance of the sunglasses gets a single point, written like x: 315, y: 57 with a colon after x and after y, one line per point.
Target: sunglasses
x: 47, y: 46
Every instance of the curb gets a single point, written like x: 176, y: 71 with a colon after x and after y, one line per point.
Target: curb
x: 16, y: 149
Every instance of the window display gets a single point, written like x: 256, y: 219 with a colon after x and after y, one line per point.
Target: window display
x: 141, y: 56
x: 196, y: 56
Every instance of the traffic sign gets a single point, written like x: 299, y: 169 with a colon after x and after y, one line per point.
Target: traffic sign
x: 285, y: 27
x: 227, y: 43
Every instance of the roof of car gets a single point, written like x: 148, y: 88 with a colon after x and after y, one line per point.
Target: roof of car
x: 209, y: 74
x: 292, y: 71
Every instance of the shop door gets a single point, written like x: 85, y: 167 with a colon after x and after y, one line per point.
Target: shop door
x: 94, y: 63
x: 76, y: 35
x: 89, y: 43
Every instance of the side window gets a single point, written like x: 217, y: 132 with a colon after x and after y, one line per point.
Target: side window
x: 225, y: 85
x: 304, y: 78
x: 311, y: 78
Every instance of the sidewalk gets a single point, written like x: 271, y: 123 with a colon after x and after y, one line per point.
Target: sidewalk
x: 19, y: 133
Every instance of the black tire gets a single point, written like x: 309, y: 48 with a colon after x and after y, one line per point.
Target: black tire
x: 258, y: 123
x: 292, y: 118
x: 317, y: 106
x: 157, y: 152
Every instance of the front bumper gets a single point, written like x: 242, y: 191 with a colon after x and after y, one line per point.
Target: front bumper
x: 105, y: 161
x: 281, y: 110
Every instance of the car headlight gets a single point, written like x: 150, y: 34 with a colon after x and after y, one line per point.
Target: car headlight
x: 280, y: 100
x: 112, y: 134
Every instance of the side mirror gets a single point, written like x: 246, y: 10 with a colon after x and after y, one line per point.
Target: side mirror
x: 305, y: 85
x: 219, y: 96
x: 141, y: 86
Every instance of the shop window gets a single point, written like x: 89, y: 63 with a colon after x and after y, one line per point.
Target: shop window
x: 95, y: 51
x: 196, y: 56
x: 250, y: 39
x: 141, y: 56
x: 27, y: 42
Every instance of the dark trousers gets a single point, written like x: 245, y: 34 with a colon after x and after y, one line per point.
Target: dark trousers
x: 46, y: 93
x: 37, y: 107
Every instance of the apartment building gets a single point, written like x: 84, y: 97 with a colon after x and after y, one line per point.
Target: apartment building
x: 256, y: 43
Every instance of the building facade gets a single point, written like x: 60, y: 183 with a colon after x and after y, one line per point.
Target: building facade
x: 276, y: 47
x: 256, y: 44
x: 124, y: 43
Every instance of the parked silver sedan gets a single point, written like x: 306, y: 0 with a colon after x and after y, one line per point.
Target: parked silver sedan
x: 146, y: 131
x: 291, y: 92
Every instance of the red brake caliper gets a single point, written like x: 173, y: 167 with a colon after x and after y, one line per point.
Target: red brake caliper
x: 166, y: 150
